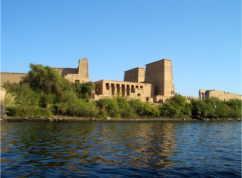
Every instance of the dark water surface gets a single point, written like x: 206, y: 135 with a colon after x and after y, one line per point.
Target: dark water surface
x: 121, y: 149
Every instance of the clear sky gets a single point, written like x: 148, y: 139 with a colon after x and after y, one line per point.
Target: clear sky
x: 201, y: 37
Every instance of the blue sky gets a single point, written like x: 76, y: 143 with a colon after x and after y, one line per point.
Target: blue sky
x: 201, y: 37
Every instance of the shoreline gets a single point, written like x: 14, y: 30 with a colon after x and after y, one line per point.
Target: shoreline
x: 107, y: 119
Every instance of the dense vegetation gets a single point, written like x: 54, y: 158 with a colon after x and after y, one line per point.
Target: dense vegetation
x: 44, y: 92
x: 177, y: 107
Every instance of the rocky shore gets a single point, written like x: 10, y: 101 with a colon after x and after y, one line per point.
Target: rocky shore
x: 81, y: 119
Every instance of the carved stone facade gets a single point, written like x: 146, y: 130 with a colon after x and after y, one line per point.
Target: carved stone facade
x: 222, y: 95
x: 79, y: 74
x: 154, y: 85
x: 135, y: 75
x: 131, y: 90
x: 159, y: 73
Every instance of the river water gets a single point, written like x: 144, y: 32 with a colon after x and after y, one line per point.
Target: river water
x: 121, y: 149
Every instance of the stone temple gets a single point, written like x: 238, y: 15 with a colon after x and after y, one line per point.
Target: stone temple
x: 153, y: 83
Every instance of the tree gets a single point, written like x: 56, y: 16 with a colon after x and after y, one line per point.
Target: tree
x: 45, y: 79
x: 83, y: 90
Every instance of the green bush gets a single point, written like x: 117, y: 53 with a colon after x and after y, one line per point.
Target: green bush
x: 23, y: 95
x: 177, y: 107
x: 83, y: 90
x: 218, y: 108
x: 83, y: 108
x: 21, y: 111
x: 122, y: 107
x: 45, y: 79
x: 144, y: 108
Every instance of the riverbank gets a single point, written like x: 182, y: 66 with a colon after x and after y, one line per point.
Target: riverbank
x: 108, y: 119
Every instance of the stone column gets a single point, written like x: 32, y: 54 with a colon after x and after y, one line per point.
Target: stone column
x: 3, y: 111
x: 115, y: 90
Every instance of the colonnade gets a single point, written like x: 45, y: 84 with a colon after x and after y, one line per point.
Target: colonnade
x: 202, y: 95
x: 125, y: 89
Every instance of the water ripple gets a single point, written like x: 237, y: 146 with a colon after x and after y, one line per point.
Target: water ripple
x: 121, y: 149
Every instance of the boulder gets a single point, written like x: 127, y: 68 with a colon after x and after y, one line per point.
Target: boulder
x: 51, y: 119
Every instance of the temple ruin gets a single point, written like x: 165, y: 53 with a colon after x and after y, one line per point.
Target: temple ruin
x: 153, y: 83
x: 132, y: 90
x: 222, y: 95
x: 80, y: 74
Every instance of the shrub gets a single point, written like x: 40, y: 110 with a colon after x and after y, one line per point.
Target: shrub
x: 83, y: 90
x: 28, y: 111
x: 110, y: 106
x: 9, y: 99
x: 145, y: 108
x: 23, y: 95
x: 177, y: 107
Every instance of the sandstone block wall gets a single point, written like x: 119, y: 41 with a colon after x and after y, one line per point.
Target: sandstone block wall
x: 76, y: 78
x: 132, y: 90
x: 11, y: 77
x: 161, y: 98
x: 159, y: 74
x: 189, y: 98
x: 83, y: 68
x: 222, y: 95
x: 66, y: 71
x: 135, y: 75
x: 79, y: 74
x: 168, y: 85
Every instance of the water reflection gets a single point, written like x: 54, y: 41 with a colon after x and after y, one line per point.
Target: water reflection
x: 55, y: 145
x: 76, y: 149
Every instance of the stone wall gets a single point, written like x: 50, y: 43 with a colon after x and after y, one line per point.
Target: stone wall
x: 135, y: 75
x: 66, y: 71
x: 79, y: 74
x: 161, y: 99
x: 76, y: 78
x: 189, y: 98
x: 83, y: 68
x: 222, y: 95
x: 11, y: 77
x: 159, y: 74
x: 132, y: 90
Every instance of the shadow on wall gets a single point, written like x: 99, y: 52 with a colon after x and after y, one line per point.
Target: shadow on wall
x: 65, y: 71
